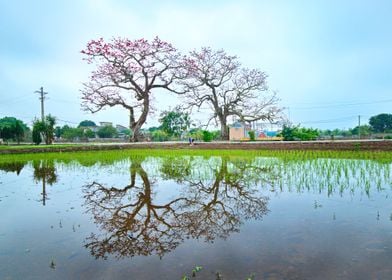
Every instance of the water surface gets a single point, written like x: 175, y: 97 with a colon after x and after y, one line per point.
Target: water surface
x: 160, y: 217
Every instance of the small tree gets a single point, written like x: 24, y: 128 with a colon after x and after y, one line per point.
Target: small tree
x: 364, y: 130
x: 44, y: 129
x: 12, y: 129
x: 159, y: 135
x: 89, y: 133
x: 71, y: 133
x: 175, y: 122
x: 38, y: 128
x: 107, y: 131
x: 252, y: 135
x: 50, y: 122
x: 292, y: 133
x: 207, y: 136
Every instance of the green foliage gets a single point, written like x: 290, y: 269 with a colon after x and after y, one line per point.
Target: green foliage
x: 36, y: 137
x: 195, y: 133
x: 58, y: 131
x: 336, y: 132
x: 159, y: 135
x: 86, y: 123
x: 50, y: 121
x: 194, y: 271
x: 175, y: 122
x: 299, y: 133
x: 12, y: 129
x: 207, y: 136
x: 107, y: 131
x: 216, y: 134
x: 364, y: 129
x: 71, y: 133
x: 44, y: 129
x: 127, y: 132
x: 89, y: 133
x: 38, y: 128
x: 252, y: 135
x: 381, y: 123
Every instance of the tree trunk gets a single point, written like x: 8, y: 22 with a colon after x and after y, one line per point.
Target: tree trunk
x: 224, y: 128
x: 135, y: 126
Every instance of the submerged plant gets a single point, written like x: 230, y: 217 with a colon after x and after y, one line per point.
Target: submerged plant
x: 52, y: 264
x: 196, y: 269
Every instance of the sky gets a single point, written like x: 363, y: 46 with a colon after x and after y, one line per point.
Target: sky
x: 329, y: 61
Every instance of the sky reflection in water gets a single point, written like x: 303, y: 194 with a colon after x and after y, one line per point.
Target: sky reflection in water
x: 318, y: 219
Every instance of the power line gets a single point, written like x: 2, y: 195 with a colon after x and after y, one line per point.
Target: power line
x: 341, y: 105
x: 332, y: 120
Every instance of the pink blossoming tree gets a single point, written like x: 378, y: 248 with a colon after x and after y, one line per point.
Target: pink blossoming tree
x: 218, y: 81
x: 126, y: 74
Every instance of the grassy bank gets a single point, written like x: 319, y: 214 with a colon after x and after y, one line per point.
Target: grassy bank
x: 363, y: 145
x: 90, y: 157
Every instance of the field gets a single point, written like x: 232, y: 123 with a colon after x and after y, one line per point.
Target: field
x: 363, y: 145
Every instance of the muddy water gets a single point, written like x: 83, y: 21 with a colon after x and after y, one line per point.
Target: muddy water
x: 160, y: 218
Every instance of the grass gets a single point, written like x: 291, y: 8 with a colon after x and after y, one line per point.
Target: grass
x: 90, y: 157
x: 29, y: 146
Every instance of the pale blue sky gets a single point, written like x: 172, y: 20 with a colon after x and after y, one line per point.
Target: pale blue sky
x: 330, y: 61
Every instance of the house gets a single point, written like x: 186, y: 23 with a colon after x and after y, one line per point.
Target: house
x: 121, y: 128
x: 239, y: 131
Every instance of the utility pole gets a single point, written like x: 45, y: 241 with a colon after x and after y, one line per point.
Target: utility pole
x: 42, y: 98
x: 359, y: 126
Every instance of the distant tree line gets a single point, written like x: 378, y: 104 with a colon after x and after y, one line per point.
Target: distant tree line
x: 175, y: 124
x: 380, y: 124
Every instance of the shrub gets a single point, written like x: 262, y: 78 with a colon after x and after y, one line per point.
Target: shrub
x: 207, y: 136
x: 159, y: 136
x: 252, y: 135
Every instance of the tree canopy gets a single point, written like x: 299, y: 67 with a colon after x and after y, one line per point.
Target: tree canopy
x: 126, y: 74
x: 175, y: 122
x: 218, y: 81
x: 12, y: 129
x: 86, y: 123
x: 381, y: 123
x: 107, y: 131
x: 44, y: 129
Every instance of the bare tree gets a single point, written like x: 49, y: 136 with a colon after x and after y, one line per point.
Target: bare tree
x: 218, y: 81
x: 133, y: 222
x: 126, y: 74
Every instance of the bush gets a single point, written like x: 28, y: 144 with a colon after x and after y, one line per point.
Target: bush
x: 159, y: 136
x: 252, y: 135
x: 107, y: 131
x: 37, y: 133
x: 207, y: 136
x: 299, y: 133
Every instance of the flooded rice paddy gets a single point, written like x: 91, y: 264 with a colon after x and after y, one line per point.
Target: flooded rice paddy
x: 145, y: 217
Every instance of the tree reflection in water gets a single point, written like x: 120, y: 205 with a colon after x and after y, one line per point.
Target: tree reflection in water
x: 44, y: 171
x: 13, y: 166
x: 132, y: 223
